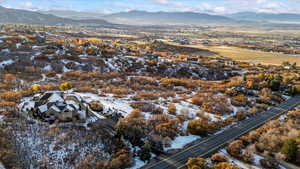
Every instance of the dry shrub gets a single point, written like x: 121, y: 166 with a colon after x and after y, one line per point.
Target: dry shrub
x: 96, y: 106
x: 51, y: 74
x: 254, y: 110
x: 6, y: 86
x: 203, y: 116
x: 172, y: 109
x: 265, y: 96
x: 49, y: 87
x: 167, y: 94
x: 197, y: 100
x: 217, y: 158
x: 231, y: 92
x: 248, y: 154
x: 143, y: 106
x: 197, y: 163
x: 270, y: 138
x: 183, y: 115
x: 199, y: 127
x: 212, y: 104
x: 241, y: 115
x: 225, y: 165
x: 228, y: 121
x: 157, y: 110
x: 71, y: 75
x: 7, y: 150
x: 8, y: 106
x: 263, y: 106
x: 146, y: 96
x: 9, y: 77
x: 121, y: 159
x: 235, y: 148
x: 136, y: 113
x: 53, y: 131
x: 86, y: 90
x: 235, y: 82
x: 43, y: 57
x: 171, y: 82
x: 11, y: 96
x: 120, y: 91
x: 143, y: 80
x: 250, y: 84
x: 157, y: 119
x: 168, y: 129
x: 268, y: 164
x: 32, y: 70
x: 90, y: 75
x: 133, y: 129
x: 239, y: 100
x: 253, y: 136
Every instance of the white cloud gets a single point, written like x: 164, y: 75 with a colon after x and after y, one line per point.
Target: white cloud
x: 161, y: 1
x: 28, y: 5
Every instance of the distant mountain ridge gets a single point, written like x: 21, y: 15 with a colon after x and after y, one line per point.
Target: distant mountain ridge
x: 271, y: 17
x: 73, y: 14
x: 64, y: 17
x: 18, y: 16
x: 143, y: 17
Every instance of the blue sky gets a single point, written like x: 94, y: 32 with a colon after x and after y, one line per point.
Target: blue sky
x: 111, y: 6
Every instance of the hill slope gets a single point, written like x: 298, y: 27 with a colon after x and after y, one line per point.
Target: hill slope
x: 252, y: 16
x: 30, y: 17
x: 73, y: 14
x: 142, y: 17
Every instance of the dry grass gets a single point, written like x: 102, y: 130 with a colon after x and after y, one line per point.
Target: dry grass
x: 248, y: 55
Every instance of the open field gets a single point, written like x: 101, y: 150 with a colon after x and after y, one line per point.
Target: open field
x: 247, y: 55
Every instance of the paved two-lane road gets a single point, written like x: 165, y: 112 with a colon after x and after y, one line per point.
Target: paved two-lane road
x: 206, y: 146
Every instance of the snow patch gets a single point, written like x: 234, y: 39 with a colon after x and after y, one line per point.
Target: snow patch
x: 137, y: 163
x: 181, y: 141
x: 18, y: 45
x: 47, y: 68
x: 5, y: 51
x: 6, y: 63
x: 110, y: 103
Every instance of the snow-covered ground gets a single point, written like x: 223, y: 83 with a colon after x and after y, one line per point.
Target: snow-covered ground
x: 6, y: 63
x: 237, y: 162
x: 110, y: 103
x: 181, y: 141
x: 137, y: 163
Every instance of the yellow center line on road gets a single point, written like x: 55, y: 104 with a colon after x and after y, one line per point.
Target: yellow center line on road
x: 281, y: 109
x: 168, y: 160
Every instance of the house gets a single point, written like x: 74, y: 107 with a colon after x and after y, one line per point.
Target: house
x: 192, y: 59
x: 40, y: 39
x: 231, y: 63
x: 151, y: 57
x: 87, y: 44
x: 59, y: 106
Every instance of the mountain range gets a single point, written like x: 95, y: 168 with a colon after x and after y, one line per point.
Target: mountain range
x: 143, y: 17
x: 61, y: 17
x: 8, y: 15
x: 73, y: 14
x: 270, y: 17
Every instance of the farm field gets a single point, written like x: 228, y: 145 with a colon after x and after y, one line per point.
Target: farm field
x: 247, y: 55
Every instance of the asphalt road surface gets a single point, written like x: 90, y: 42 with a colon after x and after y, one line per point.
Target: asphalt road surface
x: 209, y: 145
